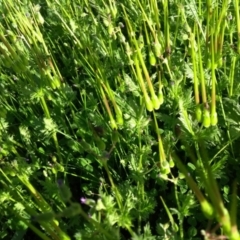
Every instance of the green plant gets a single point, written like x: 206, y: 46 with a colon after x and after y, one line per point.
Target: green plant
x: 119, y: 120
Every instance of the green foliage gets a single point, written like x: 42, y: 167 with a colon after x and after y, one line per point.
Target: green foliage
x: 119, y: 120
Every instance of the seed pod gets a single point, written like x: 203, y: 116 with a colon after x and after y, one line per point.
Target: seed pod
x: 165, y: 167
x: 164, y: 176
x: 160, y: 97
x: 141, y: 41
x: 119, y: 117
x: 214, y: 119
x: 56, y: 222
x: 152, y: 58
x: 165, y: 164
x: 155, y: 102
x: 206, y: 118
x: 171, y: 163
x: 149, y: 104
x: 114, y: 12
x: 39, y: 18
x: 49, y: 97
x: 198, y: 113
x: 166, y: 170
x: 54, y: 159
x: 207, y: 209
x: 157, y: 49
x: 12, y: 173
x: 113, y: 124
x: 58, y: 167
x: 175, y: 227
x: 181, y: 175
x: 45, y: 174
x: 54, y: 171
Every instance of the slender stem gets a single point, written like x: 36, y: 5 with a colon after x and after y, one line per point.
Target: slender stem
x: 166, y: 27
x: 237, y: 12
x: 213, y: 100
x: 162, y: 156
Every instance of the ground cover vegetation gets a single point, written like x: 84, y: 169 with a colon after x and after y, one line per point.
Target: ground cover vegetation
x: 119, y: 119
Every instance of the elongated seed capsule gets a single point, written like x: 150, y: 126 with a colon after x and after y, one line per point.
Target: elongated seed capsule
x: 214, y: 119
x: 147, y: 99
x: 175, y: 227
x: 119, y: 118
x: 114, y: 12
x: 121, y: 37
x: 157, y: 48
x: 141, y: 42
x: 160, y: 97
x: 152, y: 58
x: 56, y: 222
x: 165, y: 171
x: 108, y: 10
x: 113, y: 124
x: 181, y: 175
x: 54, y: 159
x: 58, y: 167
x: 54, y: 171
x: 165, y: 164
x: 207, y: 209
x: 39, y: 18
x: 119, y: 115
x: 198, y: 113
x: 171, y: 163
x: 165, y: 167
x: 148, y: 103
x: 45, y: 174
x: 206, y: 118
x: 226, y: 223
x: 155, y: 102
